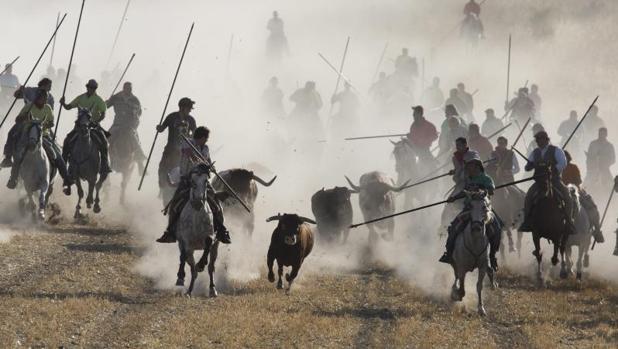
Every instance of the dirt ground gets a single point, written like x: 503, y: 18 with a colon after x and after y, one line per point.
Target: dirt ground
x: 75, y: 286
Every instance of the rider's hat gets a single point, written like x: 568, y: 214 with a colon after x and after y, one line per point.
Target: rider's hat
x: 185, y: 102
x: 450, y: 110
x: 541, y: 134
x: 92, y: 83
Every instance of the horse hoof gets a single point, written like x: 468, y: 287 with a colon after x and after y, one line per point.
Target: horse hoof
x: 271, y: 277
x: 579, y: 276
x: 287, y: 277
x: 200, y: 267
x: 213, y: 293
x: 554, y: 260
x: 280, y: 285
x: 180, y: 282
x: 188, y: 294
x: 97, y: 208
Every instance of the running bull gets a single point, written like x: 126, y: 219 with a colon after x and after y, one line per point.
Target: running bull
x: 333, y: 213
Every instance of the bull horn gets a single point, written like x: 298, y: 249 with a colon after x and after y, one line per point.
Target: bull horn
x: 399, y: 188
x: 306, y: 220
x: 262, y: 182
x: 393, y: 143
x: 274, y: 218
x: 352, y: 185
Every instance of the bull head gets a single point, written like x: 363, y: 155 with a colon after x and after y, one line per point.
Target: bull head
x: 261, y: 181
x: 300, y: 218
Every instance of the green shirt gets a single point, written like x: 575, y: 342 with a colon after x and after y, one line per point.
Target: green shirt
x: 94, y: 104
x: 44, y: 115
x: 483, y: 181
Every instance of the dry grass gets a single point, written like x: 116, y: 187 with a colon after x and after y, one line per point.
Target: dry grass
x: 74, y: 287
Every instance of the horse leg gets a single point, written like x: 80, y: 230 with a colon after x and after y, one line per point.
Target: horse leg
x: 509, y: 235
x: 580, y: 256
x: 214, y: 252
x: 479, y: 289
x: 391, y: 230
x: 80, y: 195
x: 520, y: 236
x: 502, y: 252
x: 181, y: 270
x: 455, y: 290
x: 462, y: 286
x: 569, y: 260
x: 191, y: 262
x: 539, y: 258
x: 563, y: 266
x: 97, y: 200
x: 89, y: 198
x: 42, y: 201
x: 346, y: 233
x: 270, y: 260
x: 554, y: 257
x: 204, y: 259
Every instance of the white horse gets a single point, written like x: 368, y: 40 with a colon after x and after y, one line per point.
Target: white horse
x: 195, y: 231
x: 35, y: 172
x: 581, y: 239
x: 472, y: 247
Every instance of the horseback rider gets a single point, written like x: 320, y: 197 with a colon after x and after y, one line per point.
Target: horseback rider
x: 433, y: 97
x: 566, y: 129
x: 492, y: 123
x: 504, y: 165
x: 272, y: 100
x: 521, y: 107
x: 600, y: 157
x: 348, y: 105
x: 30, y: 93
x: 478, y: 142
x: 422, y: 133
x: 406, y: 65
x: 187, y: 161
x: 178, y: 123
x: 40, y: 112
x: 451, y: 129
x: 472, y: 7
x: 476, y: 179
x: 97, y: 108
x: 593, y: 123
x: 468, y: 101
x: 8, y: 83
x: 550, y: 160
x: 127, y: 109
x: 572, y: 175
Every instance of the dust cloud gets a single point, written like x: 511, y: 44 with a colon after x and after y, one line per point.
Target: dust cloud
x: 566, y: 47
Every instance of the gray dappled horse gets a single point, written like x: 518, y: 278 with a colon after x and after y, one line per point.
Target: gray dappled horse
x: 581, y: 238
x: 85, y: 162
x: 123, y: 153
x: 195, y: 231
x: 508, y: 204
x: 472, y: 247
x: 36, y: 172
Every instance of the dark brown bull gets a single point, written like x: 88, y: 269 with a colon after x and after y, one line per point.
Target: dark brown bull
x: 290, y: 244
x: 244, y: 184
x: 333, y: 213
x: 376, y: 199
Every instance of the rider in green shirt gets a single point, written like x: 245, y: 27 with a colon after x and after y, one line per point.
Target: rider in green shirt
x: 97, y: 107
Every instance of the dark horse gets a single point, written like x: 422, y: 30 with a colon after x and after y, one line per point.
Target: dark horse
x: 84, y: 163
x: 548, y: 220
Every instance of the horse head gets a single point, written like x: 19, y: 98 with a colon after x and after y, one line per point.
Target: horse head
x: 83, y: 122
x: 479, y: 208
x: 405, y: 156
x: 199, y: 184
x: 34, y: 136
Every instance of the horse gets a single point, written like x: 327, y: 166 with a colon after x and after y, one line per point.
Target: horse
x: 123, y: 153
x: 472, y: 247
x: 472, y: 30
x: 195, y: 231
x: 36, y: 171
x: 548, y: 221
x: 405, y: 166
x: 581, y: 239
x: 84, y: 163
x: 508, y: 204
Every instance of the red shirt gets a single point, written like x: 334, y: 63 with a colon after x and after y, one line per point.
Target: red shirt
x: 422, y: 133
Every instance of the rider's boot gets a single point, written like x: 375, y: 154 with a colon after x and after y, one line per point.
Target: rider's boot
x: 12, y: 184
x: 447, y: 257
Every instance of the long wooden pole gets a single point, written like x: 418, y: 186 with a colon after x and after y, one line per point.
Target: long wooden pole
x: 345, y: 53
x: 124, y: 15
x: 33, y: 68
x: 508, y: 74
x: 375, y: 74
x: 123, y: 73
x: 580, y: 122
x: 169, y: 95
x: 51, y: 57
x: 66, y: 80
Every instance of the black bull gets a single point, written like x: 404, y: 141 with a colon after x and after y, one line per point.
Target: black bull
x: 333, y: 213
x: 243, y: 182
